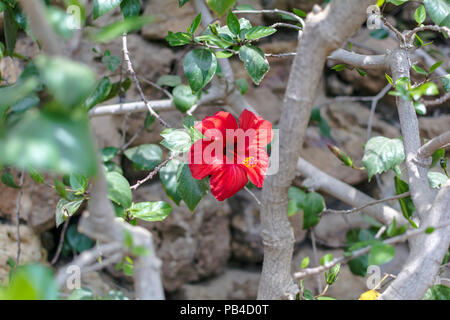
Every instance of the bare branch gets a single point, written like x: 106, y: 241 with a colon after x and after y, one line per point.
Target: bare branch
x: 396, y: 197
x: 410, y: 34
x: 434, y: 144
x: 272, y: 11
x: 359, y: 60
x: 437, y: 102
x: 126, y: 57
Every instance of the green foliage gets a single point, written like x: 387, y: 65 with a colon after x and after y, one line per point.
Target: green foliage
x: 312, y: 206
x: 117, y: 29
x: 50, y: 142
x: 438, y: 292
x: 242, y: 84
x: 145, y: 156
x: 406, y: 204
x: 259, y: 32
x: 65, y: 209
x: 8, y: 180
x: 255, y: 62
x: 420, y: 15
x: 77, y: 241
x: 169, y: 80
x: 175, y: 140
x: 381, y: 254
x: 130, y: 8
x: 168, y: 177
x: 436, y: 179
x: 103, y: 6
x: 31, y: 282
x: 189, y: 189
x: 183, y: 98
x: 111, y: 62
x: 118, y: 189
x: 151, y: 211
x: 220, y: 7
x: 101, y: 93
x: 199, y: 66
x: 382, y: 154
x: 439, y: 11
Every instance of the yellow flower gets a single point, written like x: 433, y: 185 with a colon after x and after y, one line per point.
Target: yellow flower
x: 369, y: 295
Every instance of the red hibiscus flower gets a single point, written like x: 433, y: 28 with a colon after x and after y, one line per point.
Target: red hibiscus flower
x: 230, y: 154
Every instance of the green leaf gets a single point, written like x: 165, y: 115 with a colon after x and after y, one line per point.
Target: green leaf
x: 296, y: 199
x: 65, y: 209
x: 358, y: 266
x: 437, y: 292
x: 168, y: 177
x: 189, y: 189
x: 339, y: 67
x: 397, y: 2
x: 332, y: 275
x: 381, y: 254
x: 8, y: 180
x: 305, y: 263
x: 406, y: 204
x: 361, y: 72
x: 182, y: 2
x: 109, y: 153
x: 100, y: 93
x: 420, y: 15
x: 117, y: 29
x: 436, y: 179
x: 382, y: 154
x: 178, y: 141
x: 60, y: 189
x: 435, y: 66
x: 78, y: 182
x: 437, y: 156
x: 169, y: 80
x: 195, y: 23
x: 78, y: 241
x: 223, y: 54
x: 26, y: 103
x: 145, y: 156
x: 255, y: 62
x: 259, y: 32
x: 70, y: 82
x: 118, y: 189
x: 326, y: 259
x: 178, y: 39
x: 183, y: 98
x: 111, y: 62
x: 130, y: 8
x: 439, y: 11
x: 389, y: 79
x: 103, y: 6
x: 50, y: 142
x: 10, y: 28
x: 151, y: 211
x: 31, y: 282
x: 220, y: 6
x: 300, y: 13
x: 242, y: 84
x: 312, y: 206
x: 199, y: 66
x: 420, y: 108
x: 446, y: 82
x: 427, y: 89
x: 233, y: 23
x: 81, y: 294
x: 35, y: 175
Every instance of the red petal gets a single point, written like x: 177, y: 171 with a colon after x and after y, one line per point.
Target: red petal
x: 228, y: 180
x: 202, y: 161
x: 216, y: 125
x: 250, y: 121
x: 257, y: 173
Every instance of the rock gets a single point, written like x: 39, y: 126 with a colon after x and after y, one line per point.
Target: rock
x: 105, y: 131
x: 234, y: 284
x: 30, y: 247
x: 168, y: 18
x: 246, y: 242
x: 192, y: 246
x: 10, y: 70
x: 38, y: 204
x: 433, y: 127
x: 348, y: 122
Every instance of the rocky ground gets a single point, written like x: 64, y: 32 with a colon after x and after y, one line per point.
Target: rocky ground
x: 216, y: 253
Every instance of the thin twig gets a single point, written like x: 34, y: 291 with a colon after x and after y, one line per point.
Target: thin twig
x: 396, y: 197
x: 61, y: 241
x: 437, y: 102
x: 286, y: 25
x: 276, y: 11
x: 280, y: 55
x: 157, y: 86
x: 18, y: 203
x: 315, y: 258
x: 373, y: 106
x: 152, y: 173
x: 132, y: 73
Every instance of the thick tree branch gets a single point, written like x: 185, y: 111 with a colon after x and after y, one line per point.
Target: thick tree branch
x: 324, y: 32
x: 433, y: 145
x: 359, y: 60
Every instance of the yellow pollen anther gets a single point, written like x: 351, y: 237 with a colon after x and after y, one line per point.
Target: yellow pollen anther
x: 250, y: 162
